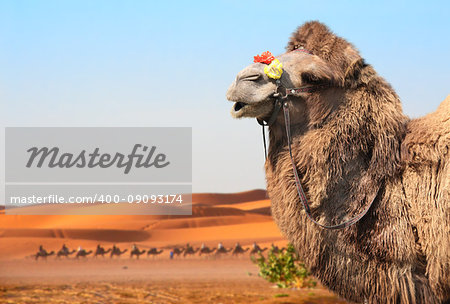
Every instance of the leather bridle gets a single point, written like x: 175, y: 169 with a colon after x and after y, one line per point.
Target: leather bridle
x: 282, y: 101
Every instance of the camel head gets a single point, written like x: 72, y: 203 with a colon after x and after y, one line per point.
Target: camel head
x: 253, y: 92
x: 315, y: 57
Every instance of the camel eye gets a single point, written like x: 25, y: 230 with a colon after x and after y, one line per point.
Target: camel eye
x: 310, y: 78
x: 253, y: 77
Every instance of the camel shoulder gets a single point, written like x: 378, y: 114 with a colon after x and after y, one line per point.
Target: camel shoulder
x: 428, y: 138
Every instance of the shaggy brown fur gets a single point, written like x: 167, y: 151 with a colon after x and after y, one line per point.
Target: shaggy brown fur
x: 350, y: 141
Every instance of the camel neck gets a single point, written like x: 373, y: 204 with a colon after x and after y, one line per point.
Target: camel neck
x: 347, y: 144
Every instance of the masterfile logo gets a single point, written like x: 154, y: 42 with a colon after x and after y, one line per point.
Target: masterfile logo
x: 53, y: 158
x: 125, y: 170
x: 149, y: 155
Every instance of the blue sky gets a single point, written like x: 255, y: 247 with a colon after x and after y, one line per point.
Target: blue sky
x: 167, y: 63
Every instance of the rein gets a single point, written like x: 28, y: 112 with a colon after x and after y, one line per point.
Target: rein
x: 281, y: 95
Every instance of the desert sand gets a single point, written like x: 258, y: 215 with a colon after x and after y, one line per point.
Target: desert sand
x: 227, y: 218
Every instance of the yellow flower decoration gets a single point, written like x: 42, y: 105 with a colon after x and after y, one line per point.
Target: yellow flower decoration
x: 274, y: 69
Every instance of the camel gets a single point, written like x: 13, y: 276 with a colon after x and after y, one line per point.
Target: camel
x: 222, y: 250
x: 343, y: 155
x: 237, y: 250
x: 135, y: 251
x: 115, y: 251
x: 256, y: 249
x: 154, y: 252
x: 275, y: 249
x: 82, y: 253
x: 177, y: 251
x: 206, y: 250
x: 189, y: 250
x: 42, y: 253
x: 101, y: 251
x: 64, y: 252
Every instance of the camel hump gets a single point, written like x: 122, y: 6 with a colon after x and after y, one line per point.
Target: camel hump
x: 442, y: 113
x: 441, y: 117
x: 428, y: 138
x: 445, y: 104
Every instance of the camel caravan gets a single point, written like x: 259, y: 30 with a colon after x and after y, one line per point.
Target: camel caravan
x: 360, y: 190
x: 136, y: 252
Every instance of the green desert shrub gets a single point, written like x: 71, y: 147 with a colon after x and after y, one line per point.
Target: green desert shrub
x: 284, y: 269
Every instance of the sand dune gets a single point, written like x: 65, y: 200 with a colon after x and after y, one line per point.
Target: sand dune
x: 260, y: 206
x: 107, y: 235
x: 229, y: 218
x: 229, y: 198
x: 112, y: 221
x: 210, y: 221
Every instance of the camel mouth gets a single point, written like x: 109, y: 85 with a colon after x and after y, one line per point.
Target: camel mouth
x: 239, y: 106
x: 241, y: 109
x: 255, y: 109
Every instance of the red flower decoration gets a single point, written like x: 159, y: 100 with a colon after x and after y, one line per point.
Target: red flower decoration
x: 265, y: 57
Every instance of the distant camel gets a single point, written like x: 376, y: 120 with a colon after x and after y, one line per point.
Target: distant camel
x: 64, y: 252
x: 222, y: 250
x: 177, y: 251
x: 237, y: 250
x: 276, y: 249
x: 42, y: 253
x: 116, y: 251
x: 135, y: 251
x: 190, y: 250
x: 82, y: 253
x: 154, y: 251
x: 256, y: 249
x: 206, y: 250
x: 101, y: 251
